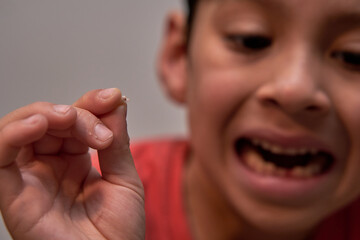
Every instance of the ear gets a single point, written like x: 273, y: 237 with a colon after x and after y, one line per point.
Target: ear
x: 171, y: 64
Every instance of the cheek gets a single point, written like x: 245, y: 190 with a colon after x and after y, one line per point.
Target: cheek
x: 347, y: 101
x: 213, y: 99
x: 216, y: 95
x: 218, y: 87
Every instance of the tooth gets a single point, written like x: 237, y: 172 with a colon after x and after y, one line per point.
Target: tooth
x: 256, y: 142
x: 314, y: 169
x: 280, y: 150
x: 253, y: 159
x: 291, y: 151
x: 260, y: 166
x: 270, y: 168
x: 276, y: 149
x: 265, y: 145
x: 298, y: 172
x: 308, y: 172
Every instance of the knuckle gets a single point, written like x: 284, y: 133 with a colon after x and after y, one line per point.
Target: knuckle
x: 87, y: 117
x: 83, y: 114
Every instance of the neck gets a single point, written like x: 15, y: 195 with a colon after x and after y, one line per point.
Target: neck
x: 212, y: 217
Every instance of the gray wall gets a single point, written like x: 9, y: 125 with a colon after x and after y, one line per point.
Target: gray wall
x: 56, y: 50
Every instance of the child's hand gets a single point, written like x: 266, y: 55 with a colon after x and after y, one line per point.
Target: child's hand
x: 48, y: 188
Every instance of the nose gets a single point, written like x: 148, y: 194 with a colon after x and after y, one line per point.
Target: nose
x: 295, y: 86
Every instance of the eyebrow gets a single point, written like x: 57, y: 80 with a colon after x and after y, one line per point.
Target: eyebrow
x: 345, y: 20
x: 270, y: 4
x: 265, y: 2
x: 274, y: 4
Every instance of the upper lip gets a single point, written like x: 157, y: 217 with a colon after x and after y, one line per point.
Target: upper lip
x: 288, y: 140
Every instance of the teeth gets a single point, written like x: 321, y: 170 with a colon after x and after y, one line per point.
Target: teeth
x: 291, y: 152
x: 255, y: 161
x: 269, y: 168
x: 314, y: 169
x: 304, y: 172
x: 276, y: 149
x: 301, y: 172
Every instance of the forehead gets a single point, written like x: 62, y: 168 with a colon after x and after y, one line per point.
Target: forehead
x: 289, y: 3
x: 329, y: 13
x: 294, y: 6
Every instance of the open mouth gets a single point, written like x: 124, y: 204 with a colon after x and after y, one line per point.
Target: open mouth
x: 270, y: 159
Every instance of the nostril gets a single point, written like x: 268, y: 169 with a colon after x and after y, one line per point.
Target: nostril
x: 292, y: 98
x: 293, y: 107
x: 312, y: 108
x: 271, y: 102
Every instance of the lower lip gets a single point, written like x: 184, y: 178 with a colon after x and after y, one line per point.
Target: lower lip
x: 281, y: 189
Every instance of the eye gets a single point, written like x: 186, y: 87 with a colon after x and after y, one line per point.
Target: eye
x: 249, y: 43
x: 350, y: 59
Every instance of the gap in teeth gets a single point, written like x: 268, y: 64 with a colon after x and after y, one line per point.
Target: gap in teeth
x: 277, y: 149
x: 255, y: 161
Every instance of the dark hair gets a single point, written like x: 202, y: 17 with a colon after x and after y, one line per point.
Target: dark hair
x: 191, y: 9
x: 191, y: 6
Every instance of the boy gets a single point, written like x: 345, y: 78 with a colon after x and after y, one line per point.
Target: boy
x: 270, y: 87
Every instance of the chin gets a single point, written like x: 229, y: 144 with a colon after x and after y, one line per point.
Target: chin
x: 280, y: 220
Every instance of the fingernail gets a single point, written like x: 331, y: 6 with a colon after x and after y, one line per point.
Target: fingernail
x: 32, y: 119
x: 102, y: 133
x: 108, y: 93
x: 61, y: 108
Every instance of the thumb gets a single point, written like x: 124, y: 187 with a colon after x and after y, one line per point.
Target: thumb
x: 116, y: 162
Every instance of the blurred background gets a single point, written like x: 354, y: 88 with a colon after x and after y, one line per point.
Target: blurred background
x: 55, y: 51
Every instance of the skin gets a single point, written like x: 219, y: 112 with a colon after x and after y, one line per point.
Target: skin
x: 297, y: 90
x: 49, y: 189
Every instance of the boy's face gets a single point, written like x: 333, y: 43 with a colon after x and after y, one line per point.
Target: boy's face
x: 274, y: 106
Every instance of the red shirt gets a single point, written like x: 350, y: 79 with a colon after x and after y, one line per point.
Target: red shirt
x: 160, y: 165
